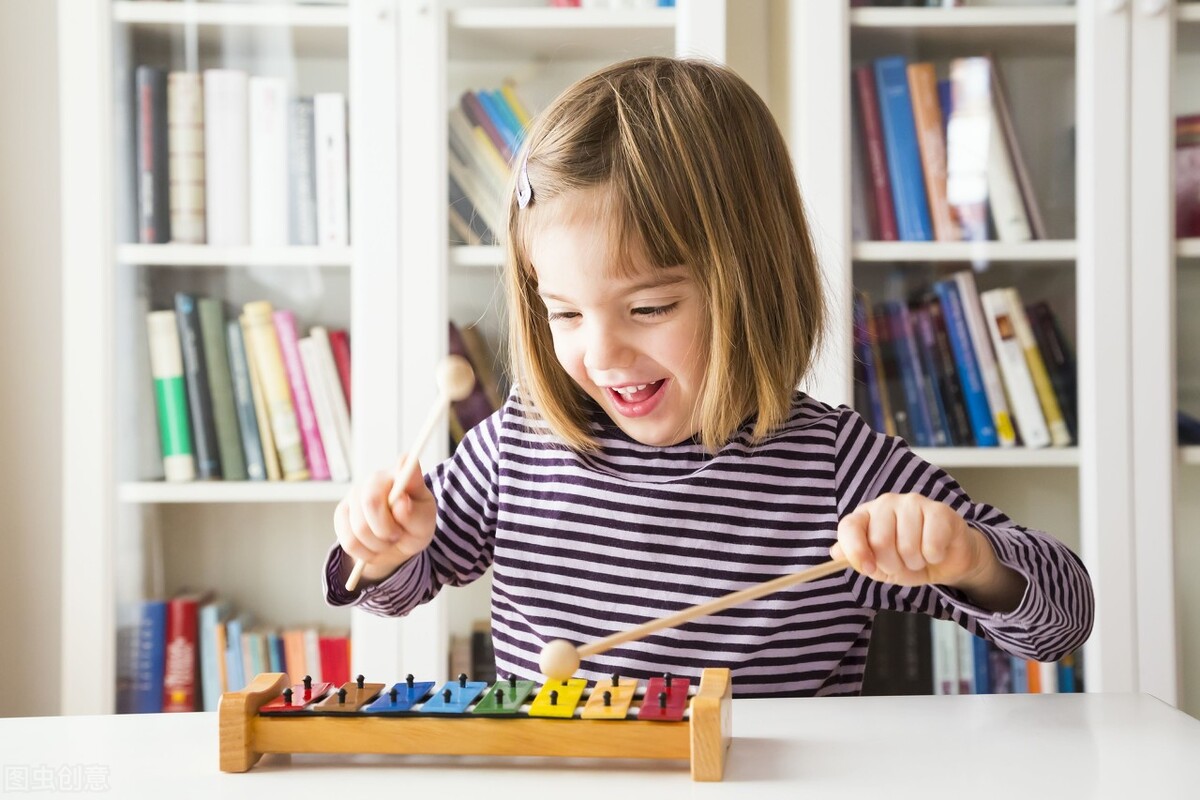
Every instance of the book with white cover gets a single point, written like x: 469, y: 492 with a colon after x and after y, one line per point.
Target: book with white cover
x: 268, y: 161
x: 226, y: 150
x: 333, y: 388
x: 185, y: 153
x: 333, y: 198
x: 984, y: 355
x: 339, y: 469
x: 1013, y: 367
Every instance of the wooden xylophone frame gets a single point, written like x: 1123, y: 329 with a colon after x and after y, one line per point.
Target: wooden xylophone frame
x: 702, y: 739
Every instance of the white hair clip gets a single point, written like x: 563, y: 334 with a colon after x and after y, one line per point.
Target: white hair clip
x: 524, y: 189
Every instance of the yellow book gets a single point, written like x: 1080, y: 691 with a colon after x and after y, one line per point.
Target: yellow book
x: 509, y: 90
x: 493, y: 157
x: 1060, y: 435
x: 262, y: 345
x: 270, y: 457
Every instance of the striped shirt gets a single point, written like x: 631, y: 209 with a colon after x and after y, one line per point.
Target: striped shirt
x: 583, y: 545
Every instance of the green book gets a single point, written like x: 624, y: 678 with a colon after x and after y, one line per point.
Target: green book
x: 220, y: 388
x: 166, y: 367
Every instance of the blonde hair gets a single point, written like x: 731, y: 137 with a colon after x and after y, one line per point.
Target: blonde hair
x: 704, y: 180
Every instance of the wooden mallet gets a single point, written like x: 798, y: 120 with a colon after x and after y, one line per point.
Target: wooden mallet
x: 455, y: 380
x: 560, y: 659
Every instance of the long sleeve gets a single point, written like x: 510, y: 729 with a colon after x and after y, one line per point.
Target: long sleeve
x: 465, y: 489
x: 1055, y: 615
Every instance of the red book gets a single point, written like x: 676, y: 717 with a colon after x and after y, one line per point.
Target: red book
x: 339, y: 343
x: 180, y: 676
x: 877, y: 168
x: 335, y: 658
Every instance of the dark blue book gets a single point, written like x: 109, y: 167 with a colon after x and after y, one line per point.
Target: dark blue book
x: 903, y: 155
x: 978, y: 410
x: 151, y: 658
x: 912, y: 376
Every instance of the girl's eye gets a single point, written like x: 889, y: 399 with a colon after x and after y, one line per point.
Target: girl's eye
x: 554, y: 316
x: 654, y: 311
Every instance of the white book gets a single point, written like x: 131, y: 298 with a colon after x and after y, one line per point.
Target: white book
x: 965, y: 641
x: 333, y: 389
x: 312, y: 654
x: 1014, y: 369
x: 944, y: 641
x: 1048, y: 672
x: 1060, y: 434
x: 1004, y: 193
x: 226, y: 150
x: 339, y: 470
x: 981, y: 344
x: 268, y: 161
x: 333, y: 198
x: 185, y: 154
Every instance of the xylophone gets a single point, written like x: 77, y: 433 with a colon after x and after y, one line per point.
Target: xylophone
x: 509, y: 718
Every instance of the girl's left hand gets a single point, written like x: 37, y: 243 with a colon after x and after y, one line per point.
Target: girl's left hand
x: 910, y: 540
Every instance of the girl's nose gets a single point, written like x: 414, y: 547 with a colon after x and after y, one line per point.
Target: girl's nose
x: 607, y: 349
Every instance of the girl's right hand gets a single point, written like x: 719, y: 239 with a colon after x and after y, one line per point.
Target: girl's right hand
x: 384, y: 537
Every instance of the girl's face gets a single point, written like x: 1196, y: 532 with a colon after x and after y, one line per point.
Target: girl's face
x: 634, y: 344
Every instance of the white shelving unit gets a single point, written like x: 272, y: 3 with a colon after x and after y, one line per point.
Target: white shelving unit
x: 1087, y: 261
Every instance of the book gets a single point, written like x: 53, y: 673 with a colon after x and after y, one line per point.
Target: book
x: 261, y: 416
x: 332, y: 169
x: 946, y: 372
x: 912, y: 374
x: 864, y: 357
x: 339, y: 343
x: 1009, y: 219
x: 195, y: 374
x: 151, y: 657
x: 1060, y: 436
x: 867, y: 103
x: 226, y: 157
x: 889, y: 370
x: 985, y: 357
x: 931, y: 143
x: 475, y: 407
x: 180, y: 676
x: 1029, y: 200
x: 243, y: 403
x: 335, y: 455
x: 211, y: 613
x: 268, y: 179
x: 166, y: 366
x: 302, y: 189
x: 1018, y: 381
x: 153, y: 181
x: 903, y: 157
x: 185, y: 156
x: 331, y: 386
x: 1059, y: 358
x: 983, y: 427
x: 310, y: 433
x: 900, y: 657
x: 968, y: 144
x: 1187, y: 176
x: 262, y: 348
x: 220, y: 386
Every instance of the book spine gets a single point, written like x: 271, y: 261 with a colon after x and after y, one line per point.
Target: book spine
x: 154, y: 214
x: 911, y: 374
x: 1000, y: 99
x: 1013, y: 368
x: 477, y: 115
x: 1004, y: 195
x: 195, y: 371
x: 332, y: 183
x: 302, y: 190
x: 1060, y: 361
x: 339, y: 343
x: 903, y: 156
x: 983, y: 428
x: 925, y: 342
x: 333, y: 390
x: 866, y: 358
x: 179, y: 674
x: 881, y: 186
x: 262, y: 345
x: 948, y: 381
x: 151, y: 658
x: 1059, y: 435
x: 890, y: 371
x: 310, y: 434
x: 185, y: 147
x: 967, y: 147
x: 243, y: 402
x: 1006, y: 436
x: 166, y: 367
x: 261, y: 416
x: 220, y: 384
x: 226, y: 163
x: 268, y: 118
x: 323, y: 411
x: 931, y: 142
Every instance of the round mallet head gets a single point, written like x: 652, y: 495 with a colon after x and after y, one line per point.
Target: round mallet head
x: 559, y: 660
x: 456, y: 378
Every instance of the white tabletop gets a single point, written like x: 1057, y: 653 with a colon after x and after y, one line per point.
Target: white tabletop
x: 1089, y: 745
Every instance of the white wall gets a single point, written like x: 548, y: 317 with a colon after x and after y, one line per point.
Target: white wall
x: 30, y: 360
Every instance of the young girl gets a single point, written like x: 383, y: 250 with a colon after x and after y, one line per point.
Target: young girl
x: 655, y: 453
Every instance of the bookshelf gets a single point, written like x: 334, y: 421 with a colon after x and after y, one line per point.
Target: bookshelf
x: 396, y: 281
x: 1068, y: 68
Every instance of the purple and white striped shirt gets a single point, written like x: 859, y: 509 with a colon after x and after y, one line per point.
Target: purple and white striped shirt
x: 585, y: 545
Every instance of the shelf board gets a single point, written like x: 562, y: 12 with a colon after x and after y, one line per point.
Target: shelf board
x: 284, y: 15
x: 473, y: 257
x: 964, y: 30
x: 232, y: 492
x: 1064, y: 250
x: 1008, y: 457
x: 188, y: 255
x: 1187, y: 248
x: 1187, y: 12
x: 1189, y: 454
x: 573, y: 34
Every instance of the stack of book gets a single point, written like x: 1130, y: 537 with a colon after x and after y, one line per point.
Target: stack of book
x: 938, y: 160
x: 182, y: 653
x: 228, y: 159
x: 249, y: 398
x: 960, y: 368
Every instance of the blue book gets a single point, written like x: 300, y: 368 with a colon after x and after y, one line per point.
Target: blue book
x: 912, y: 376
x: 870, y: 370
x: 978, y: 410
x: 1020, y: 675
x: 235, y: 671
x: 151, y: 658
x: 211, y: 615
x: 505, y: 112
x: 926, y: 342
x: 903, y: 154
x: 275, y: 652
x: 510, y: 134
x: 983, y: 678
